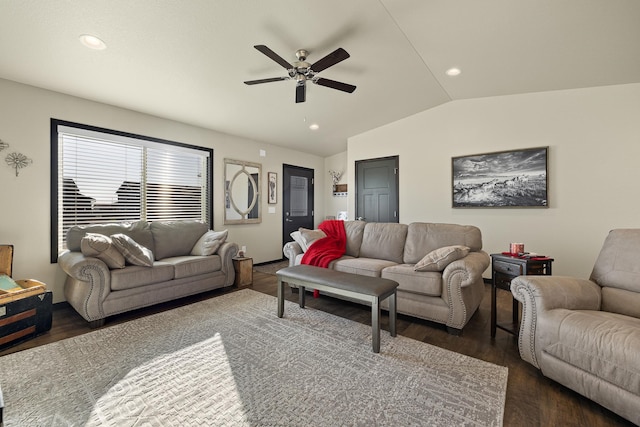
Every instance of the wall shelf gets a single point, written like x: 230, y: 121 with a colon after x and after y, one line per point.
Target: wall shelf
x: 340, y: 190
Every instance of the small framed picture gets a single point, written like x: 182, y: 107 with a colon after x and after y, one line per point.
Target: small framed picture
x: 272, y: 191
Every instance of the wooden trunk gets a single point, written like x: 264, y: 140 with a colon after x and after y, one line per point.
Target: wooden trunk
x: 25, y: 318
x: 26, y: 310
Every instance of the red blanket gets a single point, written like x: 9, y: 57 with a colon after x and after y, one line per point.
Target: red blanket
x: 328, y: 248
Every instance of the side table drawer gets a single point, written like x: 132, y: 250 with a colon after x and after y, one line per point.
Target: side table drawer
x: 507, y: 268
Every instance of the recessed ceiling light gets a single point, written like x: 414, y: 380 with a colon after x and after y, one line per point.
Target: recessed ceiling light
x: 452, y: 72
x: 92, y: 42
x: 314, y: 126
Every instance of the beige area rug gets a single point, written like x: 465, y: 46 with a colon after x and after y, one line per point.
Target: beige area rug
x: 230, y: 361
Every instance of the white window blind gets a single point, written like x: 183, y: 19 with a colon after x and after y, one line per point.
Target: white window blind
x: 104, y: 177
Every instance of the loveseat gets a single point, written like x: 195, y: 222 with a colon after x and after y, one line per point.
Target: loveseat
x: 114, y: 268
x: 585, y: 334
x: 450, y: 286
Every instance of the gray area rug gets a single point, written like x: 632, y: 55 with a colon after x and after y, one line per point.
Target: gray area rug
x: 230, y: 361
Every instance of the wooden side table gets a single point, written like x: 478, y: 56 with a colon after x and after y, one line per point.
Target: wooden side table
x: 505, y: 268
x: 244, y: 271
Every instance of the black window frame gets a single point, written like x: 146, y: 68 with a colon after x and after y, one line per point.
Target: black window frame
x: 54, y: 193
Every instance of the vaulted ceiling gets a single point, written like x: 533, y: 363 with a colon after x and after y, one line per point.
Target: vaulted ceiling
x: 187, y: 60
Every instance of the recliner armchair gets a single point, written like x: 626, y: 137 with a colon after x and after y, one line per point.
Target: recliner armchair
x: 585, y: 334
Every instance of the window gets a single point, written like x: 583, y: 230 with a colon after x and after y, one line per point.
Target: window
x: 101, y: 175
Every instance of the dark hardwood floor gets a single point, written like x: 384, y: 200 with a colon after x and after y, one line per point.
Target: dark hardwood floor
x: 532, y: 400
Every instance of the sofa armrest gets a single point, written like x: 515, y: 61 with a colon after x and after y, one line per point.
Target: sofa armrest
x: 291, y: 250
x: 227, y: 251
x: 463, y: 287
x: 539, y: 294
x: 87, y: 285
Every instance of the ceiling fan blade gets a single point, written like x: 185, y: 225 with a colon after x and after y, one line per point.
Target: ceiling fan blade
x: 271, y: 54
x: 333, y: 58
x: 301, y: 92
x: 335, y: 85
x: 272, y: 79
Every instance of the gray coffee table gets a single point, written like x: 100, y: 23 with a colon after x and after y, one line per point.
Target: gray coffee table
x: 364, y: 289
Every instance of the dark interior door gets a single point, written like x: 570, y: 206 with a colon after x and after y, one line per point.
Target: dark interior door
x: 297, y: 199
x: 377, y: 190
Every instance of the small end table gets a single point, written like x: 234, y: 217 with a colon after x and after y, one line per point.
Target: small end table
x: 244, y: 271
x: 505, y: 268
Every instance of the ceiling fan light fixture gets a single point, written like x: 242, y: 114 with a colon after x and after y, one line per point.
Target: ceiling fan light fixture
x: 453, y: 72
x: 92, y: 42
x: 301, y: 71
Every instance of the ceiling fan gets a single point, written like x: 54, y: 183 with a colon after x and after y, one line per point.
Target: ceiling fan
x: 301, y: 71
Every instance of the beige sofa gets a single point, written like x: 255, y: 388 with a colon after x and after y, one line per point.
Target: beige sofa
x: 449, y: 294
x: 97, y: 291
x: 585, y: 334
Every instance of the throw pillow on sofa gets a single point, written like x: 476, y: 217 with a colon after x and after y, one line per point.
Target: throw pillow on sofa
x: 101, y: 247
x: 438, y: 259
x: 309, y: 237
x: 209, y: 243
x: 305, y: 237
x: 133, y: 252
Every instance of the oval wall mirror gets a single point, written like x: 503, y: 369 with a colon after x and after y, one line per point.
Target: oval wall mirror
x: 242, y: 192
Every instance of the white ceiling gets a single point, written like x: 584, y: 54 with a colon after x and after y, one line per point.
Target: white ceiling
x: 187, y: 59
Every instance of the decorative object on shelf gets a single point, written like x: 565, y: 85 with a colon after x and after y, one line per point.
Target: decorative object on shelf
x: 335, y: 177
x: 338, y: 189
x: 18, y: 161
x: 272, y: 192
x: 515, y: 178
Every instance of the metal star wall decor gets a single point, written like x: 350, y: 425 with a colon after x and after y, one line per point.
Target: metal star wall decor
x: 17, y: 161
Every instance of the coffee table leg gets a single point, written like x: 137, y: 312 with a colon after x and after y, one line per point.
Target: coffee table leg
x: 280, y: 297
x: 392, y: 314
x: 301, y: 291
x: 375, y: 325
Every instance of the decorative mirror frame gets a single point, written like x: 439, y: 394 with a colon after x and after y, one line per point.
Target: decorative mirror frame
x: 230, y: 204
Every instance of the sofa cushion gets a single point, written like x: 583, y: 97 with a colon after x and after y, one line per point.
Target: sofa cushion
x: 102, y: 247
x: 309, y: 237
x: 176, y: 238
x: 187, y: 266
x: 384, y: 241
x: 209, y: 243
x: 138, y: 231
x: 418, y: 282
x: 134, y: 276
x: 604, y: 344
x: 354, y: 231
x: 621, y: 301
x: 423, y: 238
x: 133, y: 252
x: 438, y: 259
x: 617, y: 264
x: 362, y: 266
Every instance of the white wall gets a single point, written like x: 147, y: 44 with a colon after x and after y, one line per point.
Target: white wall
x: 25, y: 114
x: 594, y: 148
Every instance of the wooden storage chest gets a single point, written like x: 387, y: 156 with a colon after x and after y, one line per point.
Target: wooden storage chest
x: 25, y: 311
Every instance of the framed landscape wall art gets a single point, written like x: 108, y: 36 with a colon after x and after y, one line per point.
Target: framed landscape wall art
x: 515, y: 178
